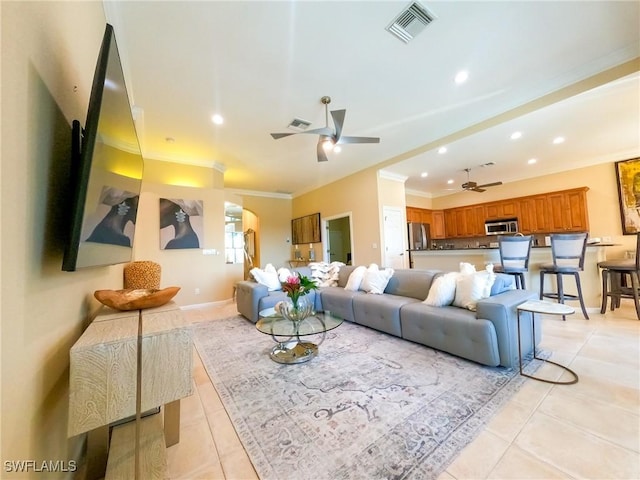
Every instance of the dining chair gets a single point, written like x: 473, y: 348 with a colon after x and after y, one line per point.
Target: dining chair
x: 514, y: 257
x: 568, y: 251
x: 614, y: 280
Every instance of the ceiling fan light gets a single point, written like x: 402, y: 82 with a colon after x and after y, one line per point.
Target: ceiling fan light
x: 337, y: 149
x: 327, y: 144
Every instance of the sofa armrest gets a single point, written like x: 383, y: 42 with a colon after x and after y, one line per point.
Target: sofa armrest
x: 501, y: 311
x: 248, y: 295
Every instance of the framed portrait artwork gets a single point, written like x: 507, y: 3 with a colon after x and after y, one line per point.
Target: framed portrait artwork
x: 180, y: 223
x: 628, y: 177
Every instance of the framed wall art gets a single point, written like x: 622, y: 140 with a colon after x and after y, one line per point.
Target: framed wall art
x: 180, y: 223
x: 628, y: 177
x: 306, y: 229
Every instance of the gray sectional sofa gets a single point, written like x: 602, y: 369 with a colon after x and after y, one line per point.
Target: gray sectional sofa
x: 487, y: 336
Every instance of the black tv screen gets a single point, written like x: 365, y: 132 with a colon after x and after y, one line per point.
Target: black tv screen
x: 106, y: 170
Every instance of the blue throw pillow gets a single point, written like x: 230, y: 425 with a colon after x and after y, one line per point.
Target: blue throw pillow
x: 503, y: 283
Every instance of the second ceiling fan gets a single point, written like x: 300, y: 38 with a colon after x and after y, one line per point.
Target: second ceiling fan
x: 329, y: 138
x: 474, y: 187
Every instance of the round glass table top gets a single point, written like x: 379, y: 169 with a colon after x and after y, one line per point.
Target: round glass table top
x: 273, y: 323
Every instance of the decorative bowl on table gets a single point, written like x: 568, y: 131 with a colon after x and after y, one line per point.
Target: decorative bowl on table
x: 135, y: 299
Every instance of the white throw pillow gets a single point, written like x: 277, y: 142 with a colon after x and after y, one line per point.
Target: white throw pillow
x: 443, y: 290
x: 325, y: 274
x: 355, y: 278
x: 284, y: 274
x: 267, y: 277
x: 375, y: 280
x: 472, y: 287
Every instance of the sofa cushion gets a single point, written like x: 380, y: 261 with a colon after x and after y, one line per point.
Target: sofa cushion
x: 381, y: 312
x: 413, y: 283
x: 339, y: 301
x: 451, y: 329
x: 503, y: 283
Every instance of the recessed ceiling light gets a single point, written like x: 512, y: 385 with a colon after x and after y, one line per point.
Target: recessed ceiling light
x: 558, y: 140
x: 170, y: 140
x: 516, y: 135
x: 461, y: 77
x: 450, y: 181
x: 531, y: 161
x: 424, y: 174
x: 217, y: 119
x: 442, y: 150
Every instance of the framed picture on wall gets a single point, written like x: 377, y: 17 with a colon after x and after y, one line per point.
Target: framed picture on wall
x: 306, y: 229
x: 628, y: 177
x: 180, y: 223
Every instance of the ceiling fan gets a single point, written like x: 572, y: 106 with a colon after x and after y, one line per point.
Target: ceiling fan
x: 474, y: 187
x: 329, y: 138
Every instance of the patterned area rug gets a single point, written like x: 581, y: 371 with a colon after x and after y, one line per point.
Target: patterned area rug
x: 368, y: 406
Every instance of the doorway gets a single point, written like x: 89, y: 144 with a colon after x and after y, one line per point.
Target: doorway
x: 338, y: 246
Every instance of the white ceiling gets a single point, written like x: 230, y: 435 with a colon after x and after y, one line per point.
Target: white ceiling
x: 260, y: 64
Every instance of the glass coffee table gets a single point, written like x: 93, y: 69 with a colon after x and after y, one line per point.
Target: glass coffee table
x: 290, y: 348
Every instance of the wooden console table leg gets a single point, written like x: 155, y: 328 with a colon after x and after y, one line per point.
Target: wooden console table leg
x: 97, y: 452
x: 172, y: 423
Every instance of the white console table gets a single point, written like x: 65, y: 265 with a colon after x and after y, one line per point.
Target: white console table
x: 103, y: 374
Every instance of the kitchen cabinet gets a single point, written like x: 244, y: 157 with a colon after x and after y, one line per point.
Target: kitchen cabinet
x: 501, y: 209
x: 568, y: 211
x: 450, y: 226
x: 533, y: 214
x: 438, y: 224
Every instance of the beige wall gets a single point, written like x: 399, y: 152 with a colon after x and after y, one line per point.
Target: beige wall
x: 274, y: 238
x: 47, y: 49
x: 357, y: 194
x: 602, y: 199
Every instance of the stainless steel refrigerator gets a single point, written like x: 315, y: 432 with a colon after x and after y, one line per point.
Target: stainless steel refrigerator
x: 419, y: 238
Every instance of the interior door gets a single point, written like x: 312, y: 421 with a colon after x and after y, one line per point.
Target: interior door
x: 338, y: 240
x: 395, y: 237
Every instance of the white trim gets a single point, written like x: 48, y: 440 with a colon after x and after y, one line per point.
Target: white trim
x: 218, y: 303
x: 396, y: 177
x: 257, y: 193
x: 418, y: 193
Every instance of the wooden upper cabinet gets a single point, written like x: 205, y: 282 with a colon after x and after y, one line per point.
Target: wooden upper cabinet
x: 568, y: 211
x: 413, y: 215
x: 533, y: 216
x: 501, y: 209
x: 437, y: 224
x: 450, y: 226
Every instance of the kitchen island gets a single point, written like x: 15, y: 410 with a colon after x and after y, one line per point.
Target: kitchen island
x: 449, y: 260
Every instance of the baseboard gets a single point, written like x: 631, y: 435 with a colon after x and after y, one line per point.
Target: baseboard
x: 219, y: 303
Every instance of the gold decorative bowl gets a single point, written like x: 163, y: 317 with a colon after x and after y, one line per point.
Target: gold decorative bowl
x: 135, y: 299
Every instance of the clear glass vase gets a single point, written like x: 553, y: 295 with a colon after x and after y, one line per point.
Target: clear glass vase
x: 302, y: 310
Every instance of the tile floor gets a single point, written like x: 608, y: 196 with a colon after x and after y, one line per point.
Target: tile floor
x: 587, y: 430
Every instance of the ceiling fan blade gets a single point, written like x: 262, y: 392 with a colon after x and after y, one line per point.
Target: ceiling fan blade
x: 477, y: 189
x: 338, y: 121
x: 494, y: 184
x: 322, y: 155
x: 359, y: 140
x: 276, y: 136
x: 315, y: 131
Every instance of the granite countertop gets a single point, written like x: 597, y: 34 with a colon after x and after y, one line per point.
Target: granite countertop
x: 496, y: 248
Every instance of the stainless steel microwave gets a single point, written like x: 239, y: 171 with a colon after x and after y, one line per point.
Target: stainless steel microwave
x: 501, y: 227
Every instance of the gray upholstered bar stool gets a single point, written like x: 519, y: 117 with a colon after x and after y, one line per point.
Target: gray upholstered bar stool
x: 567, y: 250
x: 514, y: 257
x: 613, y: 280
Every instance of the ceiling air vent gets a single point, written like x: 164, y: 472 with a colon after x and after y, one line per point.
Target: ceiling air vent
x: 298, y: 125
x: 410, y: 22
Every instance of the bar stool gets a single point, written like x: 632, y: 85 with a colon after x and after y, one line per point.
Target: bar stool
x: 514, y: 257
x: 568, y: 250
x: 613, y: 276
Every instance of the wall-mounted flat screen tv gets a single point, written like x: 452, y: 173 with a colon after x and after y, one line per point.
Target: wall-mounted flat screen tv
x: 106, y: 170
x: 306, y: 229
